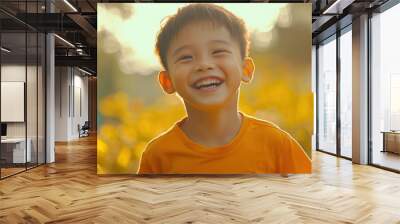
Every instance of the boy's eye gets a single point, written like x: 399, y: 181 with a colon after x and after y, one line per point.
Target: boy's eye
x: 220, y: 51
x: 184, y: 58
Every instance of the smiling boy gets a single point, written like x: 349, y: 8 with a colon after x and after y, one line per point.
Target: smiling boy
x: 204, y: 51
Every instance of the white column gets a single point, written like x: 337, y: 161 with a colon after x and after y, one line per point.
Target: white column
x: 50, y: 92
x: 360, y: 90
x: 50, y: 110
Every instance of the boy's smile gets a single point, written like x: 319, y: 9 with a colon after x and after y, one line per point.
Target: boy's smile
x: 205, y: 66
x: 207, y: 84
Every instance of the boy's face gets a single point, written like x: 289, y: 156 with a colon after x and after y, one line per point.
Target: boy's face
x: 205, y: 66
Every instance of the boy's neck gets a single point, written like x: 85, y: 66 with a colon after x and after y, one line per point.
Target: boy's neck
x: 212, y: 128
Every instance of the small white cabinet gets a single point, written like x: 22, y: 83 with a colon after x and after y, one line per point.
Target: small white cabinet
x: 17, y: 147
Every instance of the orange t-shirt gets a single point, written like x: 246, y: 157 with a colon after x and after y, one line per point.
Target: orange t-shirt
x: 259, y: 147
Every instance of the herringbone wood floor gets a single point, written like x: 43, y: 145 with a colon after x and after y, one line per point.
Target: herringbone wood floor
x: 69, y: 191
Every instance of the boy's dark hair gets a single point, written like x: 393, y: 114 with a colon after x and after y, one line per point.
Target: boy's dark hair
x: 217, y: 15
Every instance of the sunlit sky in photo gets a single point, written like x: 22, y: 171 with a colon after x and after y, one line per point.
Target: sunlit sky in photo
x: 137, y: 33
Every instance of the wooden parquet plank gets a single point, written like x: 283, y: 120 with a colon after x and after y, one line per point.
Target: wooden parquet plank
x: 70, y: 191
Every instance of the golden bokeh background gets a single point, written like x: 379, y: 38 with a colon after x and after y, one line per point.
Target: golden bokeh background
x: 133, y: 109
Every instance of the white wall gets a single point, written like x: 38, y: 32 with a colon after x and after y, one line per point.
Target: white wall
x: 80, y: 115
x: 13, y: 72
x: 33, y: 126
x: 71, y: 94
x: 16, y: 73
x: 61, y: 103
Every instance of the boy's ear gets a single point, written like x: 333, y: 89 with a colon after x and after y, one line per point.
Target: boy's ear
x: 165, y: 82
x: 248, y: 69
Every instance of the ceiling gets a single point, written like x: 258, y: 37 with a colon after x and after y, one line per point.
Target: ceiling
x: 76, y: 22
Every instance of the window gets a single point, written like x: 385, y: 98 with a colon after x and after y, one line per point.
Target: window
x: 22, y: 66
x: 327, y: 96
x: 385, y: 88
x: 346, y: 93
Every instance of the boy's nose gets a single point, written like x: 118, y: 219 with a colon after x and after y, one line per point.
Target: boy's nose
x: 204, y: 64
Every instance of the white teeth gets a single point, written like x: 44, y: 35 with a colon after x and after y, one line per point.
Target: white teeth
x: 207, y: 82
